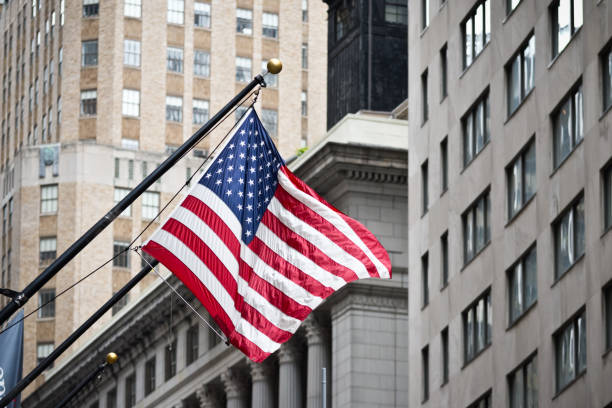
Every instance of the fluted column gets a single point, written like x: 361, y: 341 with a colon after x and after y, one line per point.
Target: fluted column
x: 236, y: 392
x: 208, y: 397
x: 318, y: 357
x: 262, y: 391
x: 290, y: 391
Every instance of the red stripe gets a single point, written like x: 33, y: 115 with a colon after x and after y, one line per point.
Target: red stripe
x: 325, y: 227
x: 207, y: 299
x: 288, y: 270
x: 224, y: 276
x: 370, y: 241
x: 305, y: 247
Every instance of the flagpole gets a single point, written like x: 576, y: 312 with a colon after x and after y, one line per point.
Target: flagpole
x: 274, y: 67
x: 111, y: 358
x: 74, y: 336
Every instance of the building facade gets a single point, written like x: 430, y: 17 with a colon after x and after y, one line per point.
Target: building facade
x: 510, y: 209
x: 95, y: 95
x: 169, y: 358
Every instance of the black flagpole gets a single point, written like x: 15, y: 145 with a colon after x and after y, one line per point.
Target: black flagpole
x: 274, y: 67
x: 111, y: 358
x: 74, y: 336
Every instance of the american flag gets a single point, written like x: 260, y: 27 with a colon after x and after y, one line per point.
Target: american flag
x: 258, y: 247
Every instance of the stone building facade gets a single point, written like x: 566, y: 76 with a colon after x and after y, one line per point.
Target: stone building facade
x: 509, y: 216
x: 169, y: 358
x: 95, y: 94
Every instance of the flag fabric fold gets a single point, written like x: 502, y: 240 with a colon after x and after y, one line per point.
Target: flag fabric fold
x: 258, y: 247
x: 11, y: 358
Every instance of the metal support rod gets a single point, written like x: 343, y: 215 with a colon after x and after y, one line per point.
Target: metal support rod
x: 82, y: 384
x: 88, y: 236
x: 77, y: 333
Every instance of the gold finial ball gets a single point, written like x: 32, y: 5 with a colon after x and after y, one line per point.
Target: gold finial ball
x: 111, y: 358
x: 274, y: 66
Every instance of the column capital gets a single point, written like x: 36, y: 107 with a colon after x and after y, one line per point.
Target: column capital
x: 235, y: 386
x: 207, y: 396
x: 315, y: 333
x: 288, y: 353
x: 259, y: 371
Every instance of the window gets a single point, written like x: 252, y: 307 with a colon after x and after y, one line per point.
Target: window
x: 89, y: 53
x: 192, y: 344
x: 425, y: 278
x: 149, y: 376
x: 243, y: 69
x: 271, y: 80
x: 444, y: 164
x: 59, y: 110
x: 60, y: 60
x: 43, y: 350
x: 304, y: 56
x: 445, y: 355
x: 111, y: 398
x: 131, y: 102
x: 48, y: 199
x: 443, y: 73
x: 10, y: 215
x: 511, y: 5
x: 444, y: 259
x: 424, y: 14
x: 342, y: 22
x: 132, y: 8
x: 424, y: 187
x: 62, y: 9
x: 476, y: 227
x: 131, y: 53
x: 569, y: 237
x: 170, y: 361
x: 304, y: 103
x: 46, y: 302
x: 130, y: 390
x: 201, y: 15
x: 523, y: 385
x: 396, y: 12
x: 4, y: 219
x: 304, y: 11
x: 566, y: 18
x: 475, y: 129
x: 175, y: 59
x: 120, y: 194
x: 477, y: 327
x: 150, y: 205
x: 520, y: 73
x: 567, y: 126
x: 522, y: 284
x: 121, y: 254
x: 425, y: 366
x: 607, y: 191
x: 45, y: 83
x: 482, y: 402
x: 201, y: 63
x: 176, y: 11
x: 90, y: 8
x: 239, y: 112
x: 269, y: 119
x: 608, y: 315
x: 48, y: 250
x: 88, y: 102
x: 120, y: 303
x: 606, y: 72
x: 570, y: 351
x: 521, y: 176
x: 130, y: 169
x: 476, y: 30
x: 200, y: 111
x: 131, y: 144
x: 424, y: 100
x: 174, y: 108
x: 270, y: 25
x: 244, y: 21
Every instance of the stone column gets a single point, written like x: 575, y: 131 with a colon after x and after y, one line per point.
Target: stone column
x: 290, y: 391
x: 318, y: 357
x: 262, y: 391
x: 208, y: 397
x: 235, y: 389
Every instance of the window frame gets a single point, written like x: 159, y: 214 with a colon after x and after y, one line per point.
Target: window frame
x: 150, y: 376
x: 130, y: 102
x: 174, y: 109
x: 522, y: 370
x: 129, y: 6
x: 472, y: 114
x: 51, y: 200
x: 525, y: 199
x: 570, y: 96
x: 150, y: 207
x: 557, y: 337
x: 89, y: 58
x: 472, y: 210
x: 424, y: 97
x: 272, y: 29
x: 170, y: 360
x: 444, y: 165
x: 607, y: 300
x: 91, y: 8
x: 485, y: 297
x: 201, y: 63
x: 130, y: 390
x: 522, y: 261
x: 445, y: 352
x: 192, y: 348
x: 131, y: 52
x: 121, y: 254
x: 424, y: 187
x: 244, y: 21
x: 425, y: 374
x: 200, y: 107
x: 201, y: 15
x: 554, y: 18
x: 243, y: 73
x: 606, y: 178
x: 443, y: 72
x: 89, y: 103
x: 175, y: 12
x: 569, y: 208
x: 46, y: 310
x: 444, y: 260
x: 425, y: 280
x: 119, y: 193
x: 46, y: 257
x: 471, y: 17
x: 484, y: 398
x: 520, y: 56
x: 175, y: 57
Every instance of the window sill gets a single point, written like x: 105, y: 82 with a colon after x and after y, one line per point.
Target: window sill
x: 466, y: 69
x: 244, y: 35
x: 605, y: 353
x: 175, y: 24
x: 605, y: 112
x: 606, y: 230
x: 175, y: 73
x: 475, y: 256
x: 567, y: 271
x: 552, y: 62
x: 525, y: 313
x: 443, y: 98
x: 202, y: 28
x: 202, y: 76
x: 87, y: 116
x: 423, y: 31
x: 518, y: 107
x: 45, y: 319
x: 485, y: 348
x: 569, y: 384
x: 520, y: 211
x: 275, y: 39
x: 566, y: 158
x: 475, y: 156
x: 133, y: 18
x: 511, y: 13
x: 444, y: 190
x: 423, y: 307
x: 48, y: 214
x: 444, y: 286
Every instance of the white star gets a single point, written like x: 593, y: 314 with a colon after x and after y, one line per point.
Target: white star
x: 208, y: 175
x: 267, y: 188
x: 260, y: 168
x: 228, y: 193
x: 267, y: 199
x: 241, y: 167
x: 249, y: 220
x: 251, y: 121
x: 249, y: 207
x: 240, y: 194
x: 242, y: 141
x: 218, y: 182
x: 268, y: 164
x: 268, y: 175
x: 229, y: 179
x: 241, y: 181
x: 253, y: 158
x: 250, y: 195
x: 240, y: 207
x: 259, y: 193
x: 251, y: 182
x: 248, y: 233
x: 270, y: 151
x: 256, y: 132
x: 241, y: 156
x: 242, y: 132
x: 231, y: 147
x: 261, y: 155
x: 258, y: 205
x: 231, y: 156
x: 262, y: 143
x: 220, y: 161
x: 252, y: 169
x: 230, y: 168
x: 219, y: 171
x: 260, y: 180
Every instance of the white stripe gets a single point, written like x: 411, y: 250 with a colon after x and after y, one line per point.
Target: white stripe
x: 320, y: 240
x: 332, y: 217
x: 222, y: 252
x: 208, y: 279
x: 297, y: 259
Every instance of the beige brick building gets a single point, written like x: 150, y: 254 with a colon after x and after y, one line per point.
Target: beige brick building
x: 95, y: 94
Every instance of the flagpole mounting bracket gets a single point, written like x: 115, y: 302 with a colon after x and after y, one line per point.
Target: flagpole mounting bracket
x: 10, y: 293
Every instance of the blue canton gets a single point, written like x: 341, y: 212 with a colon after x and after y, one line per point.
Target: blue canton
x: 244, y: 174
